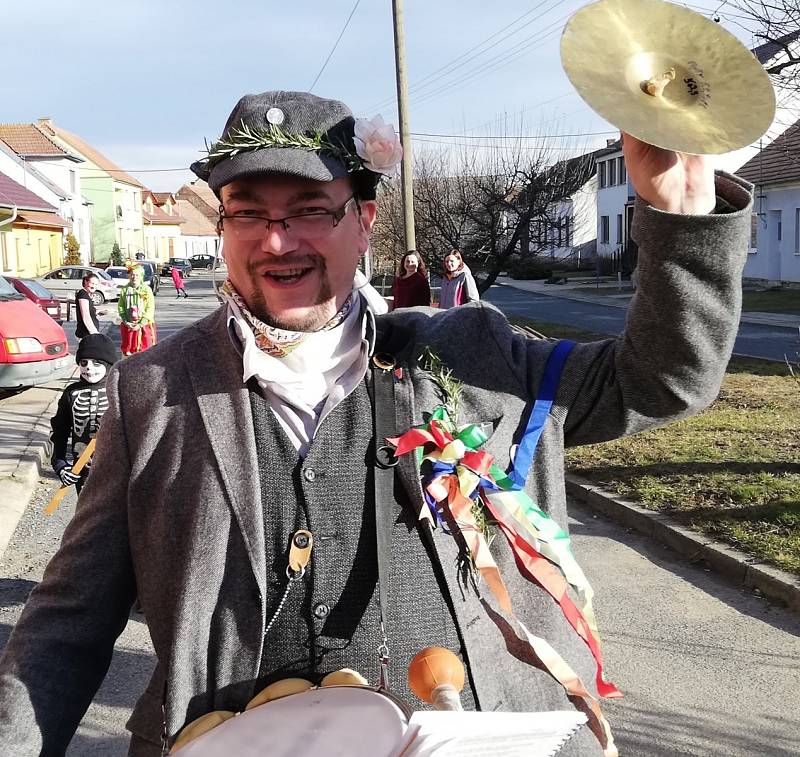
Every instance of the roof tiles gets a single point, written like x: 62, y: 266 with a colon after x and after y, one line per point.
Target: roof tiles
x: 28, y: 139
x: 778, y: 162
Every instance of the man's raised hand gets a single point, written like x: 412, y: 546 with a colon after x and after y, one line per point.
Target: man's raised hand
x: 671, y: 181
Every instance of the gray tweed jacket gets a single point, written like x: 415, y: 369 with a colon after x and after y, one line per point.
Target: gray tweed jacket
x: 172, y: 508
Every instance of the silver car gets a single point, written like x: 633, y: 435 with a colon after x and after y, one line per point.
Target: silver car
x: 65, y: 280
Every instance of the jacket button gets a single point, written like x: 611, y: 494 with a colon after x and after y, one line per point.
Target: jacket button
x: 309, y: 474
x: 321, y: 610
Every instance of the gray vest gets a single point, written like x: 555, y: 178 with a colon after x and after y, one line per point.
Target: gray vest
x: 331, y: 617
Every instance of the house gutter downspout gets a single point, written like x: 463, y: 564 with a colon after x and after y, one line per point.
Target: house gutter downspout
x: 13, y: 218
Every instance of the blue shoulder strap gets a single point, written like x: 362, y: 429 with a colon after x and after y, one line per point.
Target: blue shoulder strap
x: 523, y: 459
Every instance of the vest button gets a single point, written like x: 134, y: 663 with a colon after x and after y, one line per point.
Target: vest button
x: 321, y: 610
x: 309, y: 474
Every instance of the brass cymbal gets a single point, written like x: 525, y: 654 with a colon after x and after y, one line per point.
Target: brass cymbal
x: 667, y: 75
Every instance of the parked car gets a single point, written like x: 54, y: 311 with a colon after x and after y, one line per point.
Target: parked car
x: 151, y: 274
x: 119, y: 274
x: 42, y: 296
x: 68, y: 279
x: 33, y: 347
x: 182, y: 264
x: 209, y: 262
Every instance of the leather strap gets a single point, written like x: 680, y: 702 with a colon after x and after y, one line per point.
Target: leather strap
x: 383, y: 412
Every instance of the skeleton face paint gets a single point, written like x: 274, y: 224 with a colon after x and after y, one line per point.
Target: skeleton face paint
x: 92, y: 370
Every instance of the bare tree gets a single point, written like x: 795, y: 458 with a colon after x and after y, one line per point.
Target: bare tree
x: 775, y: 26
x: 485, y: 200
x: 388, y: 237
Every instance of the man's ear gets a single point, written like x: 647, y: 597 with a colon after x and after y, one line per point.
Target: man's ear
x: 369, y: 212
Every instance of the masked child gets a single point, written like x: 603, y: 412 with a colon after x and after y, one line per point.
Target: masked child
x: 81, y: 407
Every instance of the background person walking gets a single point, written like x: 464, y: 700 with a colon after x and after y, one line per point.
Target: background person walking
x: 458, y: 285
x: 177, y: 279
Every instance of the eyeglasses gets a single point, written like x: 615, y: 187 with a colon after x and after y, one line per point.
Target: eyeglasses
x: 249, y: 227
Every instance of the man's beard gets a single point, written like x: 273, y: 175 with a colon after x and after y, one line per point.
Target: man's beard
x: 313, y: 320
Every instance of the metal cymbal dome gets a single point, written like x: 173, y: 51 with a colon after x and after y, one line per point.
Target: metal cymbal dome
x: 708, y: 94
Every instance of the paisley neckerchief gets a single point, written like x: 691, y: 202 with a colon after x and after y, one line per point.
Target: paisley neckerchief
x: 270, y: 339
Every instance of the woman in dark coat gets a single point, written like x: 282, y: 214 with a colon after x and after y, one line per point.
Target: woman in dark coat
x: 411, y: 283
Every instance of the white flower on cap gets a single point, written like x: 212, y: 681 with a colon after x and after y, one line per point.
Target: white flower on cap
x: 378, y: 145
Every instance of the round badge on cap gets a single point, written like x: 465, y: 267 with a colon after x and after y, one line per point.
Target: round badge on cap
x: 275, y: 116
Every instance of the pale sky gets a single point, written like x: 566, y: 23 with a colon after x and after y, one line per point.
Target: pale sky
x: 145, y: 81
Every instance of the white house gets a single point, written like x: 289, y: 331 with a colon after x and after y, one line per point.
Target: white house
x: 57, y: 168
x: 775, y: 240
x: 571, y: 229
x: 615, y: 200
x: 198, y: 234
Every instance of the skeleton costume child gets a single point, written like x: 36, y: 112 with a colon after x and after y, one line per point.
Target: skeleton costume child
x: 81, y: 407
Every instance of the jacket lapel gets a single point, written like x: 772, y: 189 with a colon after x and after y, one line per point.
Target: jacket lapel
x: 216, y: 373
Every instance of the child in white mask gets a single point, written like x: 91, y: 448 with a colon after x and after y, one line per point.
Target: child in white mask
x: 81, y: 407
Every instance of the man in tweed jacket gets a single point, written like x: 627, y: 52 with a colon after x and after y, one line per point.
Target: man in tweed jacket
x: 222, y: 441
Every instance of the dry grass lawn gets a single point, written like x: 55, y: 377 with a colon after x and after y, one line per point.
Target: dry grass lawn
x: 732, y: 471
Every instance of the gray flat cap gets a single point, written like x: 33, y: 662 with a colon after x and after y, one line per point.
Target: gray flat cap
x: 295, y: 115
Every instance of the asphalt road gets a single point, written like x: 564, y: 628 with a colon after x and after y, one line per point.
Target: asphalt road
x: 707, y: 669
x: 770, y: 342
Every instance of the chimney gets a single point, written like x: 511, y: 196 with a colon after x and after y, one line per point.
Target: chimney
x: 45, y: 121
x: 609, y: 142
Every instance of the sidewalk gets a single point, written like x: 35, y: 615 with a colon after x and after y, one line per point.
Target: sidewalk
x: 25, y: 449
x: 615, y: 298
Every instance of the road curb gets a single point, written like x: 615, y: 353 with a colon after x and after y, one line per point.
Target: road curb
x: 737, y: 566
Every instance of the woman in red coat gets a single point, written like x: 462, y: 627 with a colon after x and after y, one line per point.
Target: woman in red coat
x: 410, y: 286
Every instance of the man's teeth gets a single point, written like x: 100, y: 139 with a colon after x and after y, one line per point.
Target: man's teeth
x: 289, y: 275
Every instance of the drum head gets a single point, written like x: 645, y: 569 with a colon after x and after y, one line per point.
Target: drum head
x: 335, y: 721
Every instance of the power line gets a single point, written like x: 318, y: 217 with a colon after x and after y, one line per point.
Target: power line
x: 497, y: 62
x: 335, y: 45
x: 471, y: 53
x: 519, y: 49
x: 519, y: 136
x: 548, y: 148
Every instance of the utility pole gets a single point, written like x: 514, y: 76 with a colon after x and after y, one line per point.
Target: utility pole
x: 406, y: 167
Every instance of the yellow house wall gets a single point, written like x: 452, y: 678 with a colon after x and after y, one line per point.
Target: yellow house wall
x: 32, y: 252
x: 157, y: 239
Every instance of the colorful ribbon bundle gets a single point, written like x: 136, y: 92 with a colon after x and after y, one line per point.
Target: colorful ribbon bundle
x: 463, y: 487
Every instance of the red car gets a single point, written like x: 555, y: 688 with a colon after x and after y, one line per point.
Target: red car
x: 35, y: 292
x: 33, y: 348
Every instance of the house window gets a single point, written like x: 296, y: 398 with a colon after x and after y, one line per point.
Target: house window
x: 754, y: 232
x: 612, y: 172
x: 567, y: 232
x: 601, y: 173
x: 72, y: 182
x: 797, y: 231
x: 619, y: 228
x: 621, y: 173
x: 81, y: 237
x: 604, y: 232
